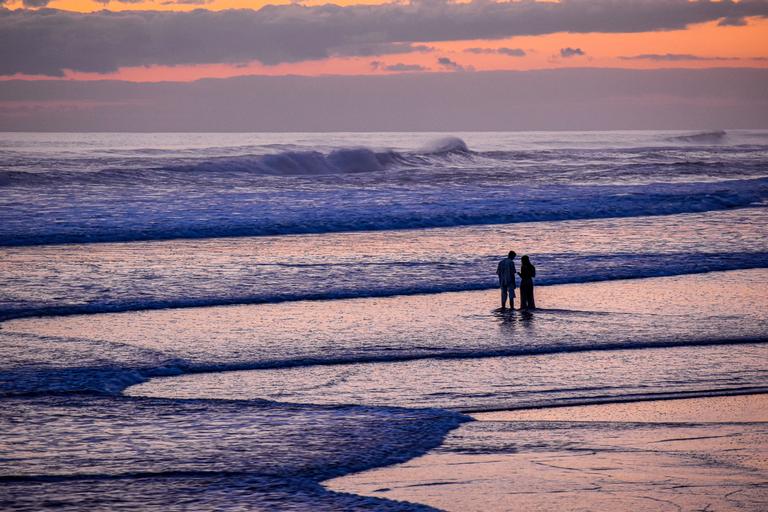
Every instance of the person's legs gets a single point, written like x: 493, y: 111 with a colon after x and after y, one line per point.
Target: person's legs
x: 524, y: 296
x: 503, y: 297
x: 531, y: 301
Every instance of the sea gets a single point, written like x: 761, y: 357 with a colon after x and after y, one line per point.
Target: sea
x: 224, y: 321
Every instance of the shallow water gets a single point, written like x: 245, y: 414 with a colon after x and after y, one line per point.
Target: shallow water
x: 109, y: 453
x: 97, y: 278
x: 449, y: 351
x: 275, y: 452
x: 178, y: 211
x: 729, y: 308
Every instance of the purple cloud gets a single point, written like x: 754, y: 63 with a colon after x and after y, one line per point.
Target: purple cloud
x: 186, y: 2
x: 400, y: 67
x: 33, y: 3
x: 571, y: 52
x: 451, y: 65
x: 106, y: 2
x: 673, y: 57
x: 732, y: 21
x: 512, y: 52
x: 368, y: 50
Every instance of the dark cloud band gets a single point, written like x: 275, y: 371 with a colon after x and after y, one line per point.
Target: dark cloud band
x: 50, y: 41
x: 673, y: 57
x: 571, y: 52
x: 511, y: 52
x: 552, y: 99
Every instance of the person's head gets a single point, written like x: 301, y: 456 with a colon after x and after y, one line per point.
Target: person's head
x: 525, y: 259
x: 511, y: 255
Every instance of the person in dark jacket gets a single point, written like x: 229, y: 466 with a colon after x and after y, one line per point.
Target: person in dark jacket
x: 527, y: 273
x: 506, y: 272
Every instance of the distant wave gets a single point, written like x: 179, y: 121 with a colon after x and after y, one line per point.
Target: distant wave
x: 446, y: 145
x: 339, y: 161
x: 148, y: 165
x: 712, y: 137
x: 288, y: 162
x: 299, y: 163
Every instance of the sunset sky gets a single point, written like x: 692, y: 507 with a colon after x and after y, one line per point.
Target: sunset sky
x: 68, y: 42
x: 184, y: 40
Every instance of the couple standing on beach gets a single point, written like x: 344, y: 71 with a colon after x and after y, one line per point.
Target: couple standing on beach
x: 506, y: 272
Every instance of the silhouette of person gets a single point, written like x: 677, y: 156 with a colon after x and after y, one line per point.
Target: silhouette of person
x: 527, y: 273
x: 506, y: 273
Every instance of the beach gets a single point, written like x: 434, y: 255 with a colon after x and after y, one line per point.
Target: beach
x: 322, y: 417
x: 684, y: 454
x: 263, y: 323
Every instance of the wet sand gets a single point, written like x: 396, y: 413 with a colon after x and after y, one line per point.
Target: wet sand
x: 688, y: 454
x: 720, y: 409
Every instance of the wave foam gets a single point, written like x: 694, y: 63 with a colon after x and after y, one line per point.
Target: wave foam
x: 445, y: 145
x: 118, y: 216
x: 338, y: 161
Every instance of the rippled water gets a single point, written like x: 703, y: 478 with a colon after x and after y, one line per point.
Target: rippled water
x: 85, y: 188
x: 248, y: 315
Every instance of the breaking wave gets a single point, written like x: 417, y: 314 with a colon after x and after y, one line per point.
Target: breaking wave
x: 712, y: 137
x: 338, y: 161
x: 446, y: 145
x: 291, y: 163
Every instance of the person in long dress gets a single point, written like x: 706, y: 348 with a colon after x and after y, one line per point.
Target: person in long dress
x: 506, y: 273
x: 527, y: 273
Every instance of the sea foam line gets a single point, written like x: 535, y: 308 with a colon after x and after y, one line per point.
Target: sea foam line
x: 77, y: 381
x: 125, y: 215
x: 698, y: 264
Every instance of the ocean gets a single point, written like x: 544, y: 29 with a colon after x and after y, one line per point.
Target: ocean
x: 228, y: 320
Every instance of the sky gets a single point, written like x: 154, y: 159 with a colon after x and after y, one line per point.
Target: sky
x: 147, y: 41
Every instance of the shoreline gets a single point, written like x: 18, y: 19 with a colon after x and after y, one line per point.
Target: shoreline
x: 706, y: 409
x: 613, y: 401
x: 492, y: 464
x: 645, y: 455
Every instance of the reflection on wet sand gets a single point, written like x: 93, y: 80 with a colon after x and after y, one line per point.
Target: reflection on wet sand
x: 638, y: 456
x: 722, y: 409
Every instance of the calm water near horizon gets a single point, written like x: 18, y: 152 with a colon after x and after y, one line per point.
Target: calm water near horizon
x: 223, y: 321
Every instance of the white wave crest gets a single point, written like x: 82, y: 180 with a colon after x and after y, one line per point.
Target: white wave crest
x: 445, y: 145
